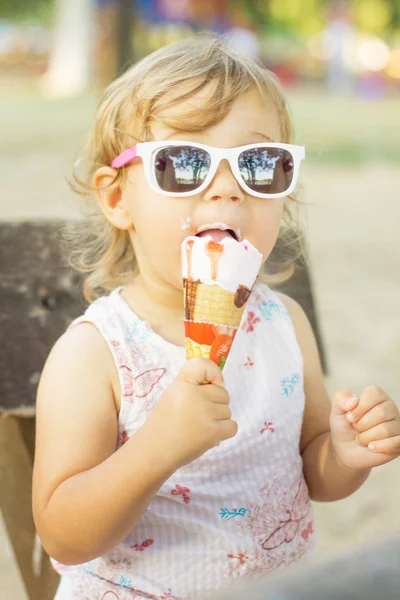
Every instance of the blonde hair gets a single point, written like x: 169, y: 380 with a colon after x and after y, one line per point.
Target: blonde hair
x: 124, y: 115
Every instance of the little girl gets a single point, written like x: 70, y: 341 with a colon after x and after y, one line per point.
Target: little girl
x: 148, y: 484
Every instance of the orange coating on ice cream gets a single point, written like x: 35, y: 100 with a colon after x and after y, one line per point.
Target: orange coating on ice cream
x: 214, y: 252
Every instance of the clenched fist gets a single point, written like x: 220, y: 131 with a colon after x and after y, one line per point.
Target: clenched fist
x: 191, y: 417
x: 365, y: 430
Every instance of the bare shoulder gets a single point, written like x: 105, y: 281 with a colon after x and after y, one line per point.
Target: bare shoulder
x: 83, y: 339
x: 317, y: 407
x: 76, y: 416
x: 85, y: 345
x: 84, y: 336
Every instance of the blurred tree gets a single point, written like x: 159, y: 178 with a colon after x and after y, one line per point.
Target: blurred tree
x: 303, y: 17
x: 70, y: 66
x: 257, y: 10
x: 373, y: 16
x: 306, y: 17
x: 395, y: 4
x: 126, y: 18
x: 26, y: 10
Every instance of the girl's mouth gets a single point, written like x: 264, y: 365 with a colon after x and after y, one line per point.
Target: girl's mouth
x: 217, y: 234
x: 219, y: 231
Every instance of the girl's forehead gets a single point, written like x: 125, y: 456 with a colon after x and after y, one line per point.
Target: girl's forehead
x: 250, y: 112
x: 201, y: 99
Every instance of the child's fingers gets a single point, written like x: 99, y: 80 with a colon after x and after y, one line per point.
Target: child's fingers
x: 389, y: 429
x: 201, y: 370
x: 342, y: 401
x: 387, y: 446
x: 370, y: 397
x: 228, y: 429
x: 385, y: 411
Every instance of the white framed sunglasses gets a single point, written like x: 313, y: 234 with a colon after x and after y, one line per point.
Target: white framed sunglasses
x: 179, y: 168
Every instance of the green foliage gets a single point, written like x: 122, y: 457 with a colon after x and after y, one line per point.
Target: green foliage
x: 373, y: 16
x: 300, y: 17
x: 27, y: 10
x: 303, y: 18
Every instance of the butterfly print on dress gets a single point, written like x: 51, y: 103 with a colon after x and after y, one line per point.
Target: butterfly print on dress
x: 141, y: 385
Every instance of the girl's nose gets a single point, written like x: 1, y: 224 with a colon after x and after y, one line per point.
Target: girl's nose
x: 224, y: 185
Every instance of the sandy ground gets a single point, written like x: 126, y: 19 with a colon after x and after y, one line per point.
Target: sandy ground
x: 11, y: 585
x: 353, y: 217
x: 352, y: 222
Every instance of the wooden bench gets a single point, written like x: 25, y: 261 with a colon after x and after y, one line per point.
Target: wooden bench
x: 39, y: 297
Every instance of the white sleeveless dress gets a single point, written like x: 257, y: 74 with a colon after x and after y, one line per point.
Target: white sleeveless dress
x: 242, y: 509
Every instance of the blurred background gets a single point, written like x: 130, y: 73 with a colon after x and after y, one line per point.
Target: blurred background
x: 340, y: 64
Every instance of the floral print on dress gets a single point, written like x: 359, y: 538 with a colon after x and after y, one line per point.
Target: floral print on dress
x: 270, y: 308
x: 288, y: 385
x: 281, y: 519
x: 168, y: 596
x: 250, y: 321
x: 238, y: 559
x: 225, y: 513
x: 141, y: 547
x: 89, y: 588
x: 136, y: 332
x: 125, y: 582
x: 305, y: 534
x: 182, y: 491
x: 120, y: 353
x: 249, y: 362
x: 267, y: 529
x: 268, y: 426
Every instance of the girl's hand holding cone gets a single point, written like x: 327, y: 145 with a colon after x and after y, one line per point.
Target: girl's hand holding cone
x: 191, y: 418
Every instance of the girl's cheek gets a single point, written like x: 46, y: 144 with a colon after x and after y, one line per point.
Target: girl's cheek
x: 187, y: 225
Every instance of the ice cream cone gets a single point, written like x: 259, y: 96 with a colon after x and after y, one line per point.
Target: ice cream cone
x: 216, y: 278
x: 190, y: 291
x: 209, y: 340
x: 212, y: 304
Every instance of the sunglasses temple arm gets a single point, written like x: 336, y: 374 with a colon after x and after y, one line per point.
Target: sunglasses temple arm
x: 124, y: 158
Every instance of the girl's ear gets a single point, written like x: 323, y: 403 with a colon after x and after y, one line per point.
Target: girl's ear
x: 111, y: 198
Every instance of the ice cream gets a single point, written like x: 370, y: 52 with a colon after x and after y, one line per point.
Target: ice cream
x: 217, y: 278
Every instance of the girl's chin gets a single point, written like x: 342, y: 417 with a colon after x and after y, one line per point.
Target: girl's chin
x: 175, y: 282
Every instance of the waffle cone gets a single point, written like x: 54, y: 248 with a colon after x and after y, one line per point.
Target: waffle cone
x: 194, y: 350
x: 212, y: 304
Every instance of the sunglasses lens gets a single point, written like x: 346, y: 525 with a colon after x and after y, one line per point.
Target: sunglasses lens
x: 267, y: 170
x: 180, y: 169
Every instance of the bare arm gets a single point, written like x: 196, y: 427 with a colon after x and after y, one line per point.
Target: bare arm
x: 86, y: 496
x: 326, y: 478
